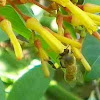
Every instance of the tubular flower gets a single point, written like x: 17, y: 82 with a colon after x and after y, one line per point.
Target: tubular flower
x: 65, y: 40
x: 92, y: 8
x: 68, y: 41
x: 98, y: 23
x: 54, y: 43
x: 75, y: 21
x: 79, y: 55
x: 44, y: 58
x: 86, y: 20
x: 45, y: 68
x: 44, y: 63
x: 94, y: 16
x: 41, y: 50
x: 7, y: 28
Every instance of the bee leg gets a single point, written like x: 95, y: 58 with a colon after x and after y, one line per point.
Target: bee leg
x: 51, y: 63
x: 62, y: 65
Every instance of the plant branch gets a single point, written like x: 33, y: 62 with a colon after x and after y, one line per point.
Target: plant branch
x: 14, y: 6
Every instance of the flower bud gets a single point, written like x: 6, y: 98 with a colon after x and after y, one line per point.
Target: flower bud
x: 7, y: 28
x: 92, y: 8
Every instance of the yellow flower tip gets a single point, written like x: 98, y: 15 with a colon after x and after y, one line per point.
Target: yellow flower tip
x: 92, y: 8
x: 5, y: 25
x: 7, y: 28
x: 85, y: 64
x: 17, y: 48
x: 94, y: 28
x: 20, y: 58
x: 33, y: 24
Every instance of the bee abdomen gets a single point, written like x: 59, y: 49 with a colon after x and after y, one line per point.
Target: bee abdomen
x: 71, y: 72
x: 70, y: 77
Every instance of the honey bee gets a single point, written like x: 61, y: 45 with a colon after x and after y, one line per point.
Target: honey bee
x: 68, y: 62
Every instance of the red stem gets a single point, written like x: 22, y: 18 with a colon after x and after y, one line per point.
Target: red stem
x: 38, y: 4
x: 37, y: 44
x: 1, y: 18
x: 81, y: 6
x: 14, y: 6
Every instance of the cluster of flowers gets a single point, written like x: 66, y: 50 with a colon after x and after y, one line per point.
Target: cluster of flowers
x: 77, y: 15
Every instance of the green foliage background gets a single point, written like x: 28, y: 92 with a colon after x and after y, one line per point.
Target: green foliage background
x: 32, y: 85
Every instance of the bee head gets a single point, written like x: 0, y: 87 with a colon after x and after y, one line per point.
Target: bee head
x: 66, y: 58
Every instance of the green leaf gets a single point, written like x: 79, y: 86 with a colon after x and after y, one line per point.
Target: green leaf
x: 95, y: 72
x: 91, y: 51
x: 93, y: 1
x: 11, y: 65
x: 26, y: 9
x: 46, y: 21
x: 17, y: 22
x: 71, y: 29
x: 31, y: 86
x: 80, y: 2
x: 2, y: 91
x: 92, y: 96
x: 61, y: 9
x: 56, y: 92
